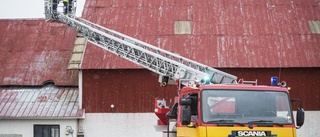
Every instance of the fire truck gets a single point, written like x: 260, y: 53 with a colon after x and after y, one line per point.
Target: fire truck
x: 232, y: 110
x: 209, y: 102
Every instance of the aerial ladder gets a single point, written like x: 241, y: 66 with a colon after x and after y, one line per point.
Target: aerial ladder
x: 172, y: 66
x: 143, y: 54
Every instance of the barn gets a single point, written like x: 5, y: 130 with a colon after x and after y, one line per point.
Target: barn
x: 38, y: 96
x: 247, y: 38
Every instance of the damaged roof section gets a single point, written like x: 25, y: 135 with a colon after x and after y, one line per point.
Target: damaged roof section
x: 47, y: 102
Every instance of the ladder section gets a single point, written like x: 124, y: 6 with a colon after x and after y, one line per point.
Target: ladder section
x: 186, y: 66
x: 148, y: 56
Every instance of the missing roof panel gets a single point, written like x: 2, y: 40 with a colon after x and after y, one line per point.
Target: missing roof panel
x: 314, y: 26
x: 182, y: 27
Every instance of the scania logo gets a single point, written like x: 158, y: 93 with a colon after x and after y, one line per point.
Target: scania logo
x: 251, y: 133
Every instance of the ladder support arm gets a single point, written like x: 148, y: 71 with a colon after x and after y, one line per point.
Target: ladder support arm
x: 148, y: 56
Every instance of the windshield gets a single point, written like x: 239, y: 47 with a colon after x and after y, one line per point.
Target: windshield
x: 231, y: 106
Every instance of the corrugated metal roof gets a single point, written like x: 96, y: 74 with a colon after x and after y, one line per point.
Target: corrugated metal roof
x: 48, y: 101
x: 34, y: 51
x: 225, y: 33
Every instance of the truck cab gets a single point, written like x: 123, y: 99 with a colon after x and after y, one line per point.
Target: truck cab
x: 233, y: 110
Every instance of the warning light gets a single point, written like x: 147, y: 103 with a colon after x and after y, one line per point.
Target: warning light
x: 274, y: 81
x: 164, y: 81
x: 163, y: 84
x: 205, y: 80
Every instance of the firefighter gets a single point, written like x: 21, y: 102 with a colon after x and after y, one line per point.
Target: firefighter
x: 54, y: 5
x: 67, y: 6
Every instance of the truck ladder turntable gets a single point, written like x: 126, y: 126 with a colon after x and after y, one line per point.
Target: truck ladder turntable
x: 143, y: 54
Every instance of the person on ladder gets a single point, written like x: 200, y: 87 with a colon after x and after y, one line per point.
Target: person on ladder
x: 67, y: 7
x: 54, y: 5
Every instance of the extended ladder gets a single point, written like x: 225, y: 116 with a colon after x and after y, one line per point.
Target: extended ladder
x: 150, y: 57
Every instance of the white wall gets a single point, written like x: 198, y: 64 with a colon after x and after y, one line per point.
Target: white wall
x: 311, y: 127
x: 120, y: 125
x: 143, y: 125
x: 25, y: 127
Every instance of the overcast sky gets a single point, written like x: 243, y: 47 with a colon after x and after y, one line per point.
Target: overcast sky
x: 13, y: 9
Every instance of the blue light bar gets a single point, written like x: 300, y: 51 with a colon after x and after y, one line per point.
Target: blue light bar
x: 274, y: 81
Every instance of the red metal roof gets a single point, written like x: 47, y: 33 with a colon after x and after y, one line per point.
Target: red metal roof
x: 48, y: 101
x: 225, y: 33
x: 34, y: 51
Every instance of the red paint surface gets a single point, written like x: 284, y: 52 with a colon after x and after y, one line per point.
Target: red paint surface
x: 134, y: 90
x: 35, y: 51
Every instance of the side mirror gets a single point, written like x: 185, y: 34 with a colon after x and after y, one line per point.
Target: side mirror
x: 185, y: 102
x: 300, y: 117
x: 186, y: 115
x: 300, y: 114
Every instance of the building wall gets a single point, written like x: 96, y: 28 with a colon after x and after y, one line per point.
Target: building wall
x: 134, y: 90
x: 120, y: 125
x: 143, y: 125
x: 311, y: 125
x: 25, y: 127
x: 128, y: 90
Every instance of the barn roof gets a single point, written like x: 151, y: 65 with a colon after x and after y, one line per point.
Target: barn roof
x: 35, y: 51
x: 48, y: 102
x: 224, y: 34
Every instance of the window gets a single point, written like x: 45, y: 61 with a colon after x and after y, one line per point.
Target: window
x: 243, y: 106
x: 182, y: 27
x: 46, y: 131
x: 221, y: 104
